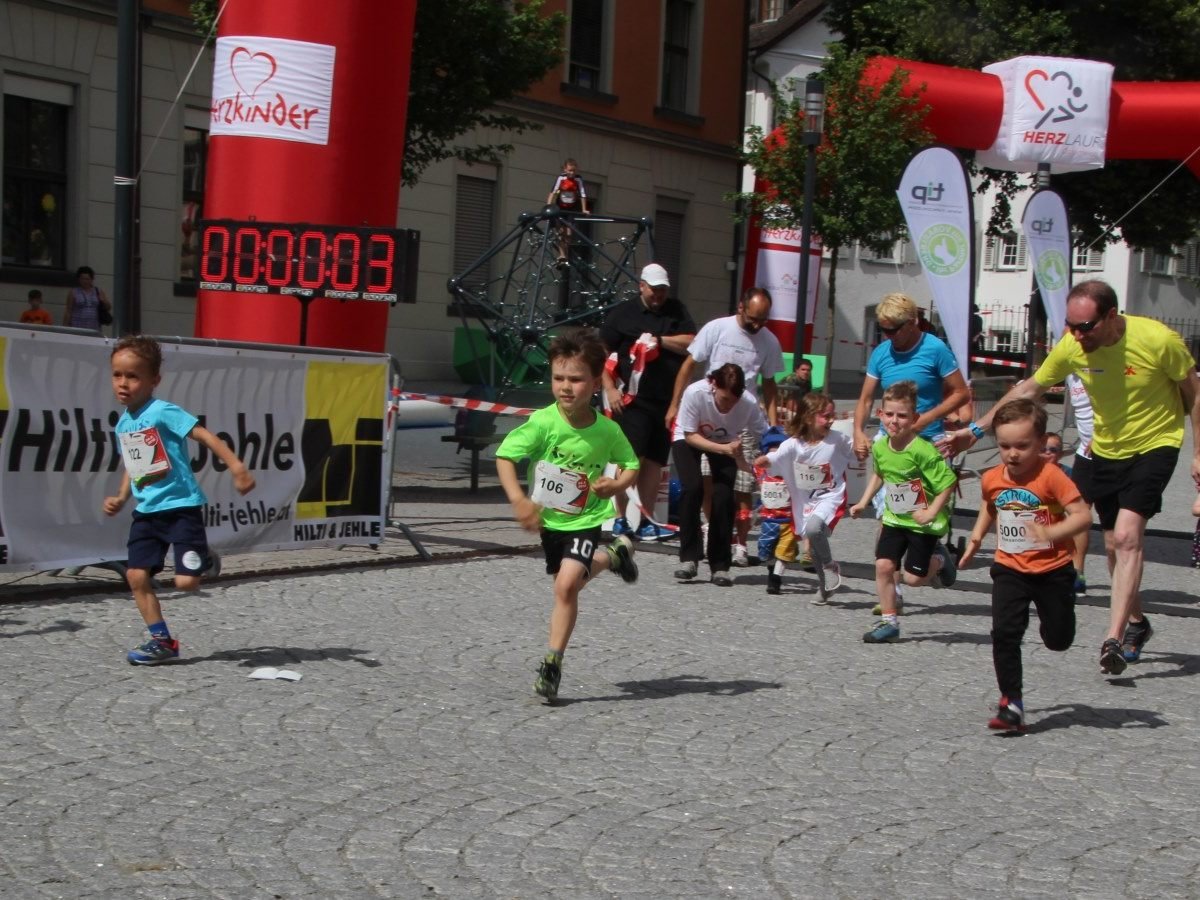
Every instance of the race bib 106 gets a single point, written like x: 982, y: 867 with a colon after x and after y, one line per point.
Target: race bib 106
x: 559, y: 489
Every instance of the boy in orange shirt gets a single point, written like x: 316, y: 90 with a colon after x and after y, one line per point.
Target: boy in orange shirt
x: 1038, y: 510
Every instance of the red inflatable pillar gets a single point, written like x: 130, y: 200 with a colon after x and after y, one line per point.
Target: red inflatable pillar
x: 308, y: 116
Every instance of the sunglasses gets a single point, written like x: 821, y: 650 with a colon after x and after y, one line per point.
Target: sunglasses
x: 1084, y: 327
x: 890, y: 331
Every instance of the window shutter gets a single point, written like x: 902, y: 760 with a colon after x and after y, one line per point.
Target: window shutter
x: 474, y: 215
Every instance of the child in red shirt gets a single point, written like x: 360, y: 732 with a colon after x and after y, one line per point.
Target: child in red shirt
x: 1038, y: 510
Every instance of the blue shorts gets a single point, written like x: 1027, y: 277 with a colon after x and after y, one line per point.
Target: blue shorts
x: 182, y: 528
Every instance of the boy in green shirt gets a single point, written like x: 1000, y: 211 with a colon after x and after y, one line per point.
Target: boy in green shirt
x: 918, y: 485
x: 569, y: 446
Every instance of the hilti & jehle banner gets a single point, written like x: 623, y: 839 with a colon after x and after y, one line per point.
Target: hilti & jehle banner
x: 936, y: 198
x: 309, y: 427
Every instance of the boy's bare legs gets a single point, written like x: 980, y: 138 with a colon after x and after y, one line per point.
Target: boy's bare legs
x: 141, y: 582
x: 567, y: 585
x: 885, y: 585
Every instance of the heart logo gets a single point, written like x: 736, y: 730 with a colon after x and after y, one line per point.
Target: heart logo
x: 1029, y: 87
x: 251, y: 69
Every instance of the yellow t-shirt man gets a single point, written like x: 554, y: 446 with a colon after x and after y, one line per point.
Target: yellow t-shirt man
x: 1133, y: 386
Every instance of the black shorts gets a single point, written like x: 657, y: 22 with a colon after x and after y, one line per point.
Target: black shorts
x: 182, y: 528
x: 1081, y: 474
x: 577, y: 545
x: 914, y: 547
x: 1136, y: 484
x: 643, y: 426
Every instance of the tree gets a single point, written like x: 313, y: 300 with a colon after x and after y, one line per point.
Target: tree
x: 1149, y: 40
x: 467, y: 56
x: 870, y: 134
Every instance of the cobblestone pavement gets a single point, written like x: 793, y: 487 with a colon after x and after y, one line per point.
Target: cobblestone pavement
x: 708, y: 743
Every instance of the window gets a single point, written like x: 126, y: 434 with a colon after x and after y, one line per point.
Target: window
x: 1156, y: 263
x: 1189, y: 261
x: 677, y: 39
x: 1088, y: 259
x: 1005, y: 253
x: 35, y: 173
x: 894, y: 254
x: 1002, y: 339
x: 668, y: 239
x: 195, y: 160
x: 585, y: 68
x: 474, y: 218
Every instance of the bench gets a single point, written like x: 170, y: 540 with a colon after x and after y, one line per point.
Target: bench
x: 475, y: 443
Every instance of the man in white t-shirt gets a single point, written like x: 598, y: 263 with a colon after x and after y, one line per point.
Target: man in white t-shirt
x: 743, y: 340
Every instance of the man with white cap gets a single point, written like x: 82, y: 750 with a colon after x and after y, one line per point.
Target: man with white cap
x: 650, y: 335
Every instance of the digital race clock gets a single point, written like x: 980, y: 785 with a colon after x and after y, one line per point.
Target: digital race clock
x: 306, y: 261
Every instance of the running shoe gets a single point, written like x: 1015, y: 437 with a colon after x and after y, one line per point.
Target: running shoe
x: 213, y: 567
x: 651, y: 532
x: 774, y: 583
x: 884, y: 632
x: 687, y: 571
x: 741, y: 558
x: 831, y: 578
x: 1080, y: 585
x: 948, y: 573
x: 1136, y: 635
x: 1010, y: 716
x: 620, y: 559
x: 722, y: 579
x: 153, y: 652
x: 1112, y: 660
x: 621, y: 526
x: 549, y: 675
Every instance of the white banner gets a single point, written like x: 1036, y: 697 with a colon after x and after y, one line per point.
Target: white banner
x: 1048, y: 234
x: 309, y: 428
x: 936, y: 198
x: 1055, y: 111
x: 272, y: 88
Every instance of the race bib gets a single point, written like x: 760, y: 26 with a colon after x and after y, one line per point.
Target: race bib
x: 145, y: 456
x: 905, y: 498
x: 1014, y: 534
x: 808, y: 476
x: 775, y: 495
x: 559, y: 489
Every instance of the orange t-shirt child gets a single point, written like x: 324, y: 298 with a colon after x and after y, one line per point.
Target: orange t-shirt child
x: 1041, y: 499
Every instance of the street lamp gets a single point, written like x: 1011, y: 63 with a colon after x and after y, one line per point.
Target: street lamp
x: 814, y: 120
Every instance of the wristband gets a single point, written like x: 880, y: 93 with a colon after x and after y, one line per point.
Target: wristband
x: 974, y: 428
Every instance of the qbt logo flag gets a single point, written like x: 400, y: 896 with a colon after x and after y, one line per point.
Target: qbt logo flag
x: 935, y: 196
x: 1055, y: 111
x: 272, y: 88
x: 1048, y: 234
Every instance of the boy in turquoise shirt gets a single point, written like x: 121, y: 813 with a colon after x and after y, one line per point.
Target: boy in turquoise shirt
x: 569, y: 446
x: 918, y: 485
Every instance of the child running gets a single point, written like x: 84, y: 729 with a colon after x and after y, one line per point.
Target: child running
x: 1038, y: 510
x: 158, y: 472
x: 812, y: 463
x: 918, y: 484
x: 569, y: 445
x: 776, y: 538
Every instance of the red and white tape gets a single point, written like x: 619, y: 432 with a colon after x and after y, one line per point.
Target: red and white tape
x: 501, y: 409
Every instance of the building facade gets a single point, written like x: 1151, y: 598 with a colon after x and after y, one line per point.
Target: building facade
x: 648, y: 100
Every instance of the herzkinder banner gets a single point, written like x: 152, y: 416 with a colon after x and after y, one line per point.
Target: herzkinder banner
x: 936, y: 198
x: 310, y: 429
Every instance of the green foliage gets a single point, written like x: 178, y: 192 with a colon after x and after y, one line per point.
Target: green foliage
x: 468, y: 55
x: 870, y: 134
x: 1148, y: 40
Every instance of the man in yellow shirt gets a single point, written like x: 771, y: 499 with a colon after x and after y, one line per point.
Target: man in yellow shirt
x: 1142, y: 382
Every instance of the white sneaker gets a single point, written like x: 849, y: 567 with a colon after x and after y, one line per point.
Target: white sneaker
x: 740, y: 557
x: 833, y: 577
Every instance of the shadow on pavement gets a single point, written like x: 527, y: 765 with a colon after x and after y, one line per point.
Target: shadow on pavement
x: 62, y: 625
x: 675, y: 686
x: 1185, y: 664
x: 950, y: 637
x: 1071, y: 714
x: 253, y: 657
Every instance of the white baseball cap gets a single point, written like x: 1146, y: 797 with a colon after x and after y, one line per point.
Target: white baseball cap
x: 655, y: 276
